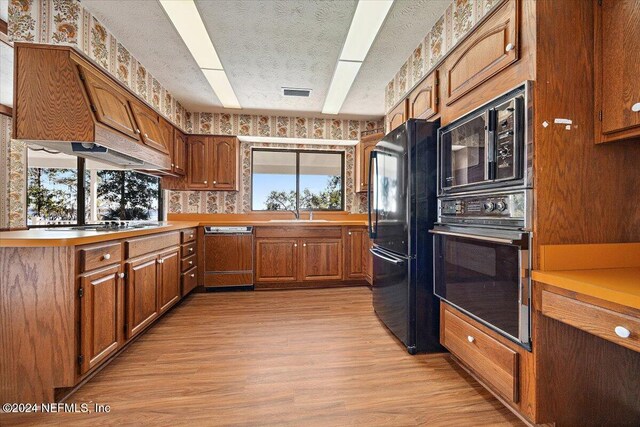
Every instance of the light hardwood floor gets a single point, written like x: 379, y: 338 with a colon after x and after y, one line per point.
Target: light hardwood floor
x: 303, y: 357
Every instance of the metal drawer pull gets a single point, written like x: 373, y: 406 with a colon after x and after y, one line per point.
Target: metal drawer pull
x: 190, y: 249
x: 509, y: 47
x: 190, y: 262
x: 192, y: 275
x: 121, y: 275
x: 470, y: 338
x: 622, y: 332
x: 635, y: 107
x: 160, y: 261
x: 473, y: 237
x: 191, y: 236
x: 106, y: 256
x: 304, y: 245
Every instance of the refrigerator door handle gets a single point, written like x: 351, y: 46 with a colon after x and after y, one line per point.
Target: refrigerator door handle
x: 386, y: 258
x: 372, y: 230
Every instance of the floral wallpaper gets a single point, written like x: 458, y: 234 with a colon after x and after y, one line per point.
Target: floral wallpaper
x: 12, y: 178
x: 240, y: 202
x: 457, y: 21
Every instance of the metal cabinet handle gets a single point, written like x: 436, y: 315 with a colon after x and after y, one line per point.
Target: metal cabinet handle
x: 635, y: 107
x: 205, y: 182
x: 172, y: 165
x: 192, y: 275
x: 190, y: 249
x: 106, y: 256
x: 304, y: 245
x: 190, y: 262
x: 295, y: 245
x: 349, y: 233
x: 121, y: 275
x: 215, y: 182
x: 138, y: 131
x: 191, y: 236
x: 470, y: 338
x: 146, y: 136
x: 160, y: 261
x: 509, y: 47
x: 622, y: 332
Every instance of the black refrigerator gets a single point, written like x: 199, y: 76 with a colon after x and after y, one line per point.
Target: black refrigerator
x: 402, y: 208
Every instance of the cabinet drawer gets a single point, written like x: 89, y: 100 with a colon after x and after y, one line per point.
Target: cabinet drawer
x: 99, y: 256
x: 593, y: 319
x: 189, y: 280
x: 187, y: 236
x: 145, y: 245
x: 495, y: 363
x: 188, y: 262
x: 188, y: 249
x: 297, y: 231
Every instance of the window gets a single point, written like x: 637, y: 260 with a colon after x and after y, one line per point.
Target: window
x: 57, y: 197
x: 297, y: 179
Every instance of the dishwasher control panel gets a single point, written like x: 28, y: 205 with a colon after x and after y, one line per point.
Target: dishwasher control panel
x: 228, y: 230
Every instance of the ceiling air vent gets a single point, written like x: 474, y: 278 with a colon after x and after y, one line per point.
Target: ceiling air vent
x: 291, y: 91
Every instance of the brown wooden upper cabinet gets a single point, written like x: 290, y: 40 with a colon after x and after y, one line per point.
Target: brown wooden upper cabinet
x: 423, y: 100
x: 109, y: 104
x: 149, y: 127
x: 363, y: 153
x: 489, y: 49
x: 617, y: 57
x: 397, y: 116
x: 166, y: 130
x: 213, y: 162
x: 179, y: 153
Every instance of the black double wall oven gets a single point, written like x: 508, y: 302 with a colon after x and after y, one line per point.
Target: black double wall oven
x: 482, y: 238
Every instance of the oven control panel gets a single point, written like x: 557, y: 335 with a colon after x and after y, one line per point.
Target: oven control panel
x: 504, y: 208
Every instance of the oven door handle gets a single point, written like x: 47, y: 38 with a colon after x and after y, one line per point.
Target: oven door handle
x: 395, y: 261
x: 475, y: 237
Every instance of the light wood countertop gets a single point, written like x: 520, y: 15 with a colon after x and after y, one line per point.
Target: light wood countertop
x: 40, y: 237
x: 610, y: 272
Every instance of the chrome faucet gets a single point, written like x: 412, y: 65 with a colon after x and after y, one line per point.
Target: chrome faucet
x: 310, y: 214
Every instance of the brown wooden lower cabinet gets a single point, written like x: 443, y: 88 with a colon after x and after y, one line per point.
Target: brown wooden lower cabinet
x: 276, y: 260
x: 169, y: 280
x: 100, y: 315
x: 321, y: 259
x: 356, y: 252
x: 142, y: 294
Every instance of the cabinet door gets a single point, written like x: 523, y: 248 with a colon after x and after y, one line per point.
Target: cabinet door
x: 100, y: 318
x: 142, y: 294
x: 179, y: 153
x: 225, y: 163
x: 166, y: 131
x: 276, y: 260
x: 149, y: 125
x: 110, y: 105
x: 491, y: 47
x: 618, y: 56
x: 354, y: 255
x: 227, y: 253
x: 169, y: 279
x: 397, y: 116
x: 363, y: 152
x: 321, y: 259
x: 198, y: 153
x: 423, y: 101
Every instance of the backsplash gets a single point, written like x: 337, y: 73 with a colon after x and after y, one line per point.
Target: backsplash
x: 12, y: 178
x: 457, y: 22
x: 240, y: 202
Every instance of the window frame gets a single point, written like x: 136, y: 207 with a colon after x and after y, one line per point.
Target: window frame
x: 342, y: 154
x: 80, y: 199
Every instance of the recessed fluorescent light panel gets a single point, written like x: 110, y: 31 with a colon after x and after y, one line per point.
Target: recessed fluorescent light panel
x: 187, y: 20
x: 366, y: 22
x: 341, y: 82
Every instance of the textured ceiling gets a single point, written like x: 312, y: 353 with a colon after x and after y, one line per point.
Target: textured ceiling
x: 265, y: 45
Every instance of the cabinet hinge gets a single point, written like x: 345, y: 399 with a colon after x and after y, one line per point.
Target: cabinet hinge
x: 81, y: 292
x: 437, y: 100
x: 437, y: 81
x: 80, y: 359
x: 81, y: 75
x: 93, y: 108
x: 600, y: 115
